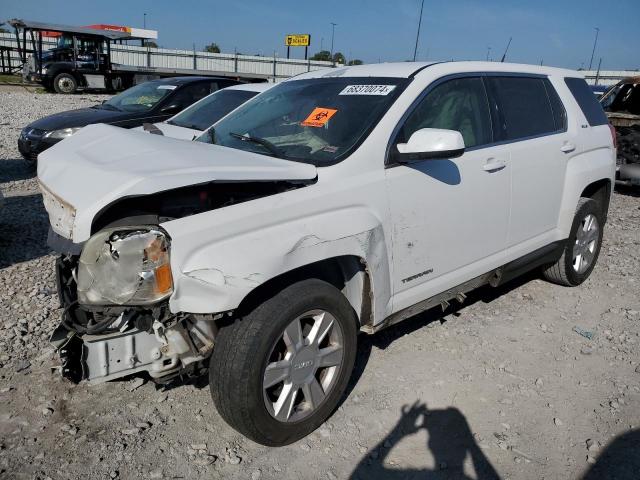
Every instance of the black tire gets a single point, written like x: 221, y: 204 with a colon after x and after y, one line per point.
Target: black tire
x: 563, y: 272
x: 241, y: 354
x: 65, y: 83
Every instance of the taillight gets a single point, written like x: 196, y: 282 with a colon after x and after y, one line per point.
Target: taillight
x: 613, y: 136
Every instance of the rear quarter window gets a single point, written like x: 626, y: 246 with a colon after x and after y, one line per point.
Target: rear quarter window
x: 587, y: 101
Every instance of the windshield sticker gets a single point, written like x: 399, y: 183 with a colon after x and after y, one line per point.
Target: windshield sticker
x: 167, y: 87
x: 330, y: 149
x: 367, y: 90
x: 319, y: 117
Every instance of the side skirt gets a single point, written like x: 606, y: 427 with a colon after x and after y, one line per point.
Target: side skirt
x: 542, y: 256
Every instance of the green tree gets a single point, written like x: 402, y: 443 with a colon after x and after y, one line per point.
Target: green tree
x: 212, y: 48
x: 150, y: 43
x: 322, y: 55
x: 355, y: 61
x: 4, y: 30
x: 339, y: 58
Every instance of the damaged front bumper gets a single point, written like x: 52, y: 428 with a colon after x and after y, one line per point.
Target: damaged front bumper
x: 106, y: 343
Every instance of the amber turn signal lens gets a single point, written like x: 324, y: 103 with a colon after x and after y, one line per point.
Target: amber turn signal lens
x: 163, y: 280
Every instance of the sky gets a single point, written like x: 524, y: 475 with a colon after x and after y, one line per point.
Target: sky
x: 558, y: 32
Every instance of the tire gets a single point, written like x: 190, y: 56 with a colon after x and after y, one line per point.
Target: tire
x: 567, y: 271
x: 65, y: 83
x: 244, y: 349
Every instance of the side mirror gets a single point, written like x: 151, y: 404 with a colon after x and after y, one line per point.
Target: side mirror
x: 171, y: 109
x: 431, y: 143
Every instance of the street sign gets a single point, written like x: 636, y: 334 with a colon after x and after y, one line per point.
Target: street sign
x: 297, y: 40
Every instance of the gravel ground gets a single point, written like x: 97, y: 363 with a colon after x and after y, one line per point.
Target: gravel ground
x: 503, y: 385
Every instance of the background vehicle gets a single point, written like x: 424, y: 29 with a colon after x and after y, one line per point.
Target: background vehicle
x: 82, y: 58
x: 622, y: 105
x: 598, y: 90
x: 150, y: 102
x: 192, y: 121
x: 334, y: 202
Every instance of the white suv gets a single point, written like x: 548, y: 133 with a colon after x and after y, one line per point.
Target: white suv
x: 338, y: 201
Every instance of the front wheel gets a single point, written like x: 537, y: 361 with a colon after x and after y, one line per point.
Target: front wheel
x: 65, y: 83
x: 280, y: 371
x: 582, y: 247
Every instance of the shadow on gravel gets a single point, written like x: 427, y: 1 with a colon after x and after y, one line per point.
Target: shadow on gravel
x: 450, y: 441
x: 15, y: 169
x: 23, y: 230
x: 387, y: 336
x: 620, y: 460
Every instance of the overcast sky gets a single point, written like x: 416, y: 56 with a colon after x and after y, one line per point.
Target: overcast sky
x: 558, y: 32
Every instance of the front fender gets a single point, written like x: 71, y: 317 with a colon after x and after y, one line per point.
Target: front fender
x: 219, y: 257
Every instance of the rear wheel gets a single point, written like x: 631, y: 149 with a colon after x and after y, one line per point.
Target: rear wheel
x: 65, y: 83
x: 582, y: 247
x: 280, y: 371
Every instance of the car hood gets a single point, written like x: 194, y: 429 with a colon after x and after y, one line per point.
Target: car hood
x: 82, y: 117
x: 101, y: 164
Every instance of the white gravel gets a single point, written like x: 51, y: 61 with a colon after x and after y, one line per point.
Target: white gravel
x: 502, y: 384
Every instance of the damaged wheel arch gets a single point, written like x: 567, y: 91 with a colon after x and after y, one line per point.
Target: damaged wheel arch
x: 348, y: 273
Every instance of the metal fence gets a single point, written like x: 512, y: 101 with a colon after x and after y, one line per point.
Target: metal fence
x: 273, y: 67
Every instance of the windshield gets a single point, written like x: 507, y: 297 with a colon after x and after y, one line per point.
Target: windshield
x: 211, y: 109
x: 317, y: 121
x: 140, y: 98
x: 65, y: 41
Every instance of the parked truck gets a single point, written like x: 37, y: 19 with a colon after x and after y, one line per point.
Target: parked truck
x: 81, y: 58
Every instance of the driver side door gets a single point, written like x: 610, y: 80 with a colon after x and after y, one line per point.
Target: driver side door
x: 449, y: 216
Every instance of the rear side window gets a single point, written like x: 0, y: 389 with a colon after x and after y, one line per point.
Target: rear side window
x: 525, y: 107
x: 559, y: 113
x: 587, y: 101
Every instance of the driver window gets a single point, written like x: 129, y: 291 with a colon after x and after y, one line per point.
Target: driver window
x: 460, y: 104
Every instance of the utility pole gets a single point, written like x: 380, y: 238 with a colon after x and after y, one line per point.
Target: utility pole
x: 595, y: 42
x: 504, y: 56
x: 321, y: 43
x: 598, y: 72
x: 488, y: 52
x: 144, y: 20
x: 415, y: 50
x: 333, y: 31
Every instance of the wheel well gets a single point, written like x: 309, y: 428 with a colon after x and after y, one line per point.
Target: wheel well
x: 599, y: 191
x: 347, y: 273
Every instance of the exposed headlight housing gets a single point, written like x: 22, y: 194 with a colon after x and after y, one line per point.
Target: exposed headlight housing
x: 125, y: 266
x: 63, y: 133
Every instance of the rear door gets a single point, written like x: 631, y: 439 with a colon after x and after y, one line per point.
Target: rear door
x: 532, y: 122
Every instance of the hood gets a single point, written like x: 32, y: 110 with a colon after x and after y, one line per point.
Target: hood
x: 100, y: 164
x: 82, y: 117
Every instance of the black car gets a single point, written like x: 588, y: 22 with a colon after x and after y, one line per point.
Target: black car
x: 149, y: 102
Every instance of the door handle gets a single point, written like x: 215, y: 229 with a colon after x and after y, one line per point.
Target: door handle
x: 493, y: 165
x: 567, y: 147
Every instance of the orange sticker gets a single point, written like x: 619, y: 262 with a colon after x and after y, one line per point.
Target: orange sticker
x: 319, y: 117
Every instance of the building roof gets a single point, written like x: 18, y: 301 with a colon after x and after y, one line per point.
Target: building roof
x: 53, y: 27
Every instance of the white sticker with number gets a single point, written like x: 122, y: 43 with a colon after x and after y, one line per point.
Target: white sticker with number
x: 367, y: 90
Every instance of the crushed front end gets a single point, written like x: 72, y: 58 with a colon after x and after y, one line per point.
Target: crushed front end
x: 100, y: 341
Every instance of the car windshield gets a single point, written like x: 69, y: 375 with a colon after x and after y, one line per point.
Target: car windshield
x: 319, y: 121
x: 140, y: 98
x: 211, y: 109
